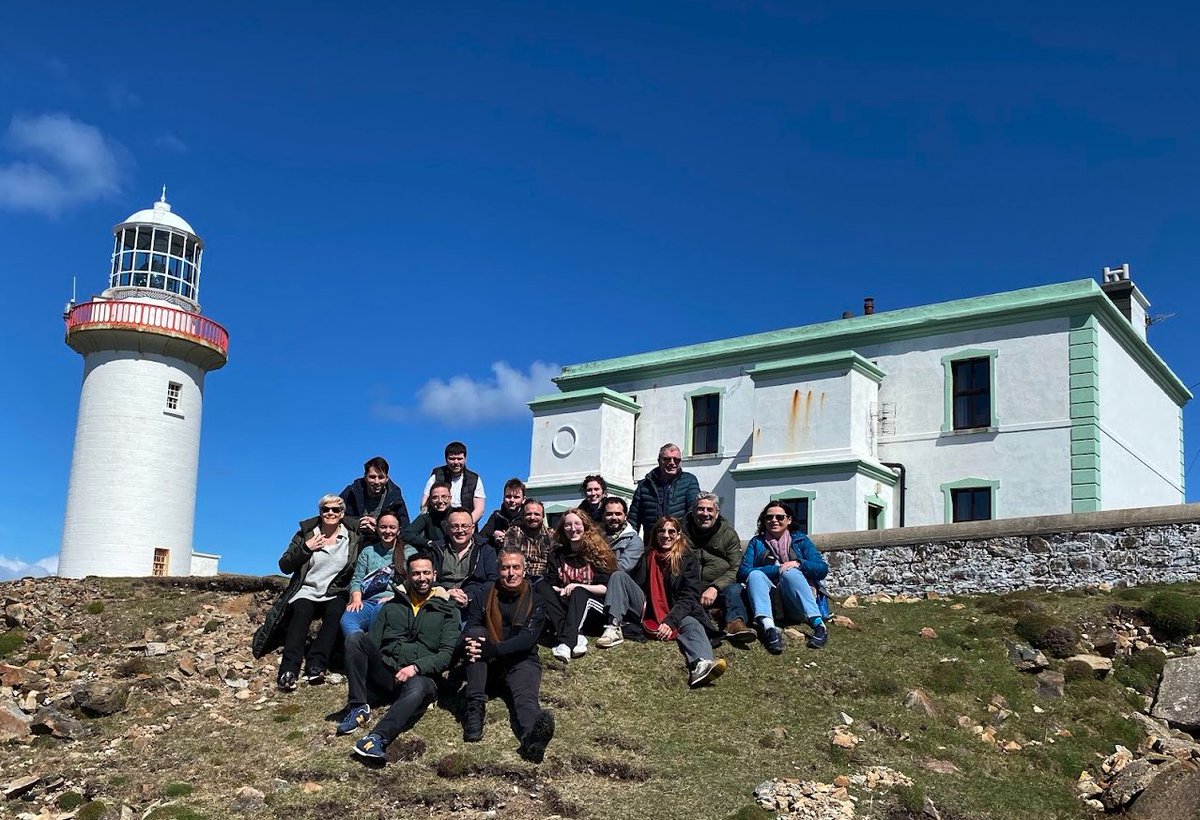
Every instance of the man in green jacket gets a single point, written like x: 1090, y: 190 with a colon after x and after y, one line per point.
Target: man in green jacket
x: 409, y: 645
x: 719, y: 549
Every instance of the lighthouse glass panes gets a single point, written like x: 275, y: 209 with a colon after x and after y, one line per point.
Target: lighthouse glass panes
x: 154, y: 257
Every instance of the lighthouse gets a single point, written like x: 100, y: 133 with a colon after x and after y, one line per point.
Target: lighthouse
x: 146, y: 349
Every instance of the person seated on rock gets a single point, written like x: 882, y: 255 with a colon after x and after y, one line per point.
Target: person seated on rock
x: 409, y: 646
x: 378, y: 565
x: 719, y: 550
x: 508, y: 515
x: 623, y: 539
x: 502, y: 631
x: 321, y: 559
x: 786, y: 564
x: 429, y: 528
x: 594, y: 488
x: 531, y: 537
x: 371, y: 496
x: 575, y: 582
x: 662, y: 593
x: 464, y: 564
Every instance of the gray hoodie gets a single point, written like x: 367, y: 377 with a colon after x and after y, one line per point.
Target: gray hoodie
x: 627, y: 546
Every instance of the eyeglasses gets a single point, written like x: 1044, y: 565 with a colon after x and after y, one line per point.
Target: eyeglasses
x: 774, y: 517
x: 668, y: 532
x: 462, y: 526
x: 669, y: 459
x: 331, y: 509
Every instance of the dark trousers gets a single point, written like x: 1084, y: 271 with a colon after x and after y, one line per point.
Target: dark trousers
x: 566, y: 616
x: 371, y: 680
x: 517, y: 682
x: 303, y: 613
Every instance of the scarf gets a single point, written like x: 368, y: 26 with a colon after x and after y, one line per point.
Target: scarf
x: 658, y: 606
x: 494, y: 621
x: 780, y: 546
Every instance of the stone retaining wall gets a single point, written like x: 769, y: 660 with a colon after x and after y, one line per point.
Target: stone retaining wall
x: 1120, y: 547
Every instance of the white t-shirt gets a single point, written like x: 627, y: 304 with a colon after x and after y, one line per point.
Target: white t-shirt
x: 456, y: 491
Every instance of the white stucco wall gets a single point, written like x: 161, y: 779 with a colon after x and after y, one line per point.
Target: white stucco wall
x: 1139, y: 434
x: 133, y: 474
x: 204, y: 564
x: 573, y: 442
x: 814, y: 416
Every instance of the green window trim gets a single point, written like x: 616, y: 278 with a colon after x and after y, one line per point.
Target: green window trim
x: 687, y: 421
x: 948, y: 387
x: 794, y: 494
x: 1084, y: 372
x: 874, y: 500
x: 972, y: 484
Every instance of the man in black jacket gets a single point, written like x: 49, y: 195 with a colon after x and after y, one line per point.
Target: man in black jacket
x: 429, y: 529
x: 508, y: 514
x: 371, y: 496
x: 503, y: 625
x: 465, y: 563
x: 466, y: 487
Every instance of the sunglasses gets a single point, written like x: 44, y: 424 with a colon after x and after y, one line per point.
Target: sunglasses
x: 775, y: 517
x: 668, y: 532
x: 669, y: 459
x: 331, y: 509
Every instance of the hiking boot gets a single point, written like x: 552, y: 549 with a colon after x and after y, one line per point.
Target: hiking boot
x: 612, y: 637
x: 371, y: 747
x: 737, y: 632
x: 562, y: 652
x: 706, y: 671
x: 580, y: 648
x: 773, y: 638
x: 315, y: 677
x: 356, y: 718
x: 533, y: 745
x: 473, y: 721
x: 286, y: 682
x: 819, y: 638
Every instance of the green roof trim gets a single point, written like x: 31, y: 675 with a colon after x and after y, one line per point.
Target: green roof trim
x: 588, y: 396
x: 810, y: 468
x: 840, y: 361
x: 1062, y: 300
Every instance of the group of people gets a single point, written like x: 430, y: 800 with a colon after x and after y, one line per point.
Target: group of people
x: 419, y: 599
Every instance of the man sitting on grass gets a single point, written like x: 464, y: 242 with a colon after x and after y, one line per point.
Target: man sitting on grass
x: 409, y: 645
x: 503, y: 625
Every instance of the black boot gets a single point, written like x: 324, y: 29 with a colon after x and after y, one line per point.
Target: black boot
x: 533, y: 745
x: 473, y: 721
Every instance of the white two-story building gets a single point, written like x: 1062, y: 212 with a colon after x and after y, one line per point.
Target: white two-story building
x: 1032, y: 402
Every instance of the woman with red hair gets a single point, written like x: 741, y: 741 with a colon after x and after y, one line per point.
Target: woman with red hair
x: 575, y: 581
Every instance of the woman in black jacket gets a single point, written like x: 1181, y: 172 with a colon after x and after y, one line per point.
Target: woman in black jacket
x: 575, y: 581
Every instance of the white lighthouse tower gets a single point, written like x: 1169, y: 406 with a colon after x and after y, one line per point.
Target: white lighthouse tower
x: 146, y: 348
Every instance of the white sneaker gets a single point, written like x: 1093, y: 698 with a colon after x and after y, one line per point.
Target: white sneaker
x: 580, y: 647
x: 562, y: 652
x: 611, y: 637
x: 706, y: 671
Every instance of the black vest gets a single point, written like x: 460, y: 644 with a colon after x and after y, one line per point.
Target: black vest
x: 470, y: 480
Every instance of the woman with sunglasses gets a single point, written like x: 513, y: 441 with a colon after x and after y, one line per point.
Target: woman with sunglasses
x: 662, y: 591
x: 575, y: 581
x: 778, y: 559
x: 320, y: 559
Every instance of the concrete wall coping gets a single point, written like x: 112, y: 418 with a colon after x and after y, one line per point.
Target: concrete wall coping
x: 1010, y: 527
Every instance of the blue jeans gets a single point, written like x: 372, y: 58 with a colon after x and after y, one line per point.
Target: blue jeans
x: 360, y: 621
x: 795, y: 595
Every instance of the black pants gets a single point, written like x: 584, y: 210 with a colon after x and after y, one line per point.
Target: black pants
x: 371, y: 680
x: 566, y: 616
x: 518, y: 682
x: 303, y: 612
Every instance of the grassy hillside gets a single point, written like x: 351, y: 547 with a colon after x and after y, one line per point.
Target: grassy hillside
x: 633, y: 741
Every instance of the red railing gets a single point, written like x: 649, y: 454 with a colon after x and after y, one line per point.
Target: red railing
x: 150, y: 317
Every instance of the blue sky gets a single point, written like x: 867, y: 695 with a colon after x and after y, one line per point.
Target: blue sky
x: 405, y: 205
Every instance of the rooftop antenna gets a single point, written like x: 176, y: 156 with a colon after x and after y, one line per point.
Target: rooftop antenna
x: 164, y: 194
x: 69, y: 306
x: 1158, y: 318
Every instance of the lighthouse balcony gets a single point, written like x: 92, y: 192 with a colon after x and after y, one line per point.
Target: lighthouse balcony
x: 146, y: 327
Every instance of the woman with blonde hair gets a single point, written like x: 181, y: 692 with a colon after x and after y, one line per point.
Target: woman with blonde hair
x: 662, y: 592
x: 320, y: 559
x: 575, y: 581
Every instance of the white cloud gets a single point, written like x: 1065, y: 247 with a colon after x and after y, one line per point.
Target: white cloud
x: 12, y: 568
x: 464, y: 400
x: 67, y: 162
x: 170, y: 142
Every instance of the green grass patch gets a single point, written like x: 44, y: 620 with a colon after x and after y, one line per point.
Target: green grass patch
x: 1141, y: 671
x: 11, y: 641
x: 1172, y: 615
x: 1044, y: 632
x: 175, y: 813
x: 172, y: 790
x: 68, y: 801
x: 96, y: 810
x: 95, y: 607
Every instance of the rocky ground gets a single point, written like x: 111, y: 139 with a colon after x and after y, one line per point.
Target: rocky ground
x: 124, y: 698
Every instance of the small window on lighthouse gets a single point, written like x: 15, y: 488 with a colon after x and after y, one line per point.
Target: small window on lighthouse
x: 173, y: 390
x: 162, y: 559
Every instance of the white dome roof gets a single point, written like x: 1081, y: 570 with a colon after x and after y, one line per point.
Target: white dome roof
x: 160, y: 214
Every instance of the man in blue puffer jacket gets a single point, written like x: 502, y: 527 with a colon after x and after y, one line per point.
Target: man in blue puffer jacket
x: 666, y: 490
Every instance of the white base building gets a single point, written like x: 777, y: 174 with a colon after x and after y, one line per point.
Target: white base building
x: 1033, y: 402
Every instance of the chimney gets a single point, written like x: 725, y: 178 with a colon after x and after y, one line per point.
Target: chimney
x: 1126, y: 296
x: 847, y: 314
x: 868, y: 306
